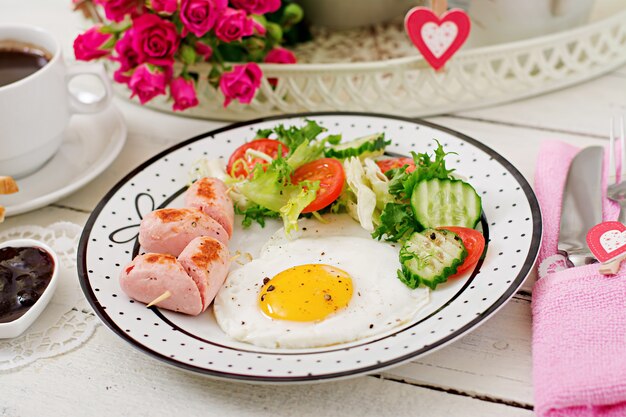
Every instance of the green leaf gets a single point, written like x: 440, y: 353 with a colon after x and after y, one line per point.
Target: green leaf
x: 402, y: 183
x: 294, y: 136
x: 214, y: 76
x: 397, y: 222
x: 255, y: 45
x: 232, y: 52
x: 255, y: 213
x: 306, y: 152
x: 334, y: 139
x: 291, y: 211
x: 263, y: 133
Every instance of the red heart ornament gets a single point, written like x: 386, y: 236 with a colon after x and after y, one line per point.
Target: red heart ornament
x: 437, y: 38
x: 607, y: 240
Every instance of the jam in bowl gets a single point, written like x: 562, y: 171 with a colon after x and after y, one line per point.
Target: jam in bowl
x: 28, y: 278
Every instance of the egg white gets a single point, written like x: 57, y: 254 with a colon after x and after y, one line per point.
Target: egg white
x: 379, y: 303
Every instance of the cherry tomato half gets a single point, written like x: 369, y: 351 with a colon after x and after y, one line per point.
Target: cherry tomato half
x: 391, y: 163
x: 240, y: 165
x: 329, y: 172
x: 474, y: 242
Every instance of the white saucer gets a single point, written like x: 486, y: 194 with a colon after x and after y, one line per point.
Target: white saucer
x: 91, y: 144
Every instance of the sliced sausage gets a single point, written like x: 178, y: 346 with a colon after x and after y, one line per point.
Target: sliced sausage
x: 210, y: 195
x: 169, y: 230
x: 206, y: 260
x: 150, y: 275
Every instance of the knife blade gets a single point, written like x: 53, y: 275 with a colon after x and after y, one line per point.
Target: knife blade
x: 581, y: 208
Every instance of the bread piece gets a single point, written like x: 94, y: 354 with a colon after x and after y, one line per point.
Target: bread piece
x: 1, y: 214
x: 8, y: 185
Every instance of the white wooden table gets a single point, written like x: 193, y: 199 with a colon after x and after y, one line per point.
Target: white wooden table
x: 486, y: 373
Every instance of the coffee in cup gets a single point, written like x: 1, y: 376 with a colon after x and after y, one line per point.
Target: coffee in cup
x: 35, y: 102
x: 19, y: 60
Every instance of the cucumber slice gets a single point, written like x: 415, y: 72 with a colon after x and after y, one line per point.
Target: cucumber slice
x: 429, y: 257
x: 370, y: 145
x: 445, y: 202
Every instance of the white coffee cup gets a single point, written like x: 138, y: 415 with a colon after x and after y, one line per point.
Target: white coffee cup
x: 35, y: 110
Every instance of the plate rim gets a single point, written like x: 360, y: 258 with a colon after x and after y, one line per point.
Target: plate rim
x: 90, y: 173
x: 529, y: 262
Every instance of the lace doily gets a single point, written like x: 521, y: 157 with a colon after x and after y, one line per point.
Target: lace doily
x: 68, y: 321
x: 365, y: 44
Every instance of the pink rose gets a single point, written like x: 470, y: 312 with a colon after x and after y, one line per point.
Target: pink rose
x: 257, y: 6
x: 164, y: 7
x: 241, y: 83
x: 204, y: 50
x: 183, y: 93
x: 117, y: 10
x: 280, y: 55
x: 147, y: 82
x: 233, y: 25
x: 199, y: 16
x: 126, y: 56
x: 92, y: 44
x: 155, y: 40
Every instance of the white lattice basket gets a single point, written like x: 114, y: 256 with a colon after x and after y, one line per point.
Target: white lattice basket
x: 407, y: 86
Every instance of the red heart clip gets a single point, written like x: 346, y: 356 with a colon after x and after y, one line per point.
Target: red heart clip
x: 437, y: 38
x: 607, y: 240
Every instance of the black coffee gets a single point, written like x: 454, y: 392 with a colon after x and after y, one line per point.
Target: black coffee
x: 18, y: 61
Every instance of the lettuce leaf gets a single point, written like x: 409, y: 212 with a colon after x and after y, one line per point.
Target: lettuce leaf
x: 402, y: 183
x: 362, y: 191
x: 256, y: 213
x: 294, y: 136
x: 296, y: 203
x: 378, y: 182
x: 272, y: 191
x: 397, y: 222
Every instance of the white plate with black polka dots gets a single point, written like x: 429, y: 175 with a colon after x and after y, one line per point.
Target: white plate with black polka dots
x: 511, y: 223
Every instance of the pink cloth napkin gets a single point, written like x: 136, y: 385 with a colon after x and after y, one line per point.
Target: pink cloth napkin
x: 579, y: 315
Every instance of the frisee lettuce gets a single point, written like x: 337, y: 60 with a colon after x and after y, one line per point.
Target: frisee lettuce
x: 294, y: 136
x: 256, y: 213
x: 402, y: 183
x: 397, y: 221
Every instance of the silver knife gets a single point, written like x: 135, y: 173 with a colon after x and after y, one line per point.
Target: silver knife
x: 582, y: 205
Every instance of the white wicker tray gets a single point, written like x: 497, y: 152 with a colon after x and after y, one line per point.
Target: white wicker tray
x: 407, y: 86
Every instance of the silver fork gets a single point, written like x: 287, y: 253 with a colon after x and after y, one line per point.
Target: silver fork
x: 616, y: 190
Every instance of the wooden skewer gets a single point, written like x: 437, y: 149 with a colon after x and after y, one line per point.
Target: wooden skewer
x: 439, y: 6
x: 167, y: 294
x: 611, y: 267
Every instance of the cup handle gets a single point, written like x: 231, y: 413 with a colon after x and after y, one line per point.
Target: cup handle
x: 79, y: 106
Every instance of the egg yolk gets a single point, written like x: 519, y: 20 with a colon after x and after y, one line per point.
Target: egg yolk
x: 306, y: 293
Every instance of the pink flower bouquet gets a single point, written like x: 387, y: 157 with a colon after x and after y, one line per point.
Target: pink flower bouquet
x: 155, y: 44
